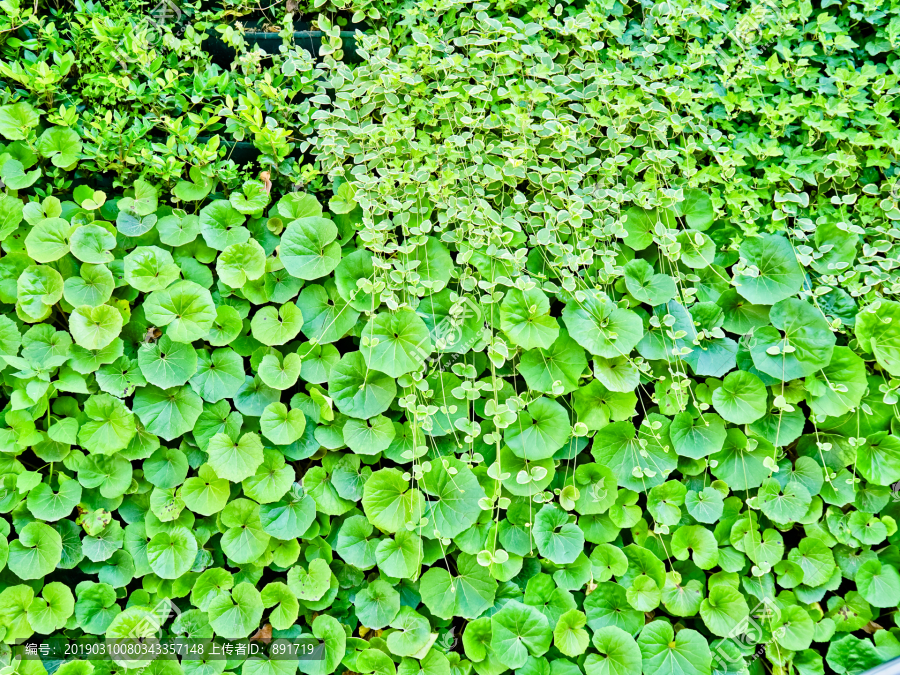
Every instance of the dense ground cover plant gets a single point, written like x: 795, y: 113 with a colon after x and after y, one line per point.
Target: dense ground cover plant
x: 560, y: 339
x: 138, y: 85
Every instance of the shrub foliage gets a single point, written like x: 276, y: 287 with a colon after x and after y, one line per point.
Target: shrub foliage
x: 559, y: 338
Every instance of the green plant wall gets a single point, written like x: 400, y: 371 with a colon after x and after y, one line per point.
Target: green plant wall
x: 550, y: 339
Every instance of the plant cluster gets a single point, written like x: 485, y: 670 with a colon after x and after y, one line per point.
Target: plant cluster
x: 554, y: 338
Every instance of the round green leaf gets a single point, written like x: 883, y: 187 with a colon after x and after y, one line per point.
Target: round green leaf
x: 741, y: 399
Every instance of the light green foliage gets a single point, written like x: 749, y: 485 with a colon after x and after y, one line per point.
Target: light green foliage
x: 506, y: 337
